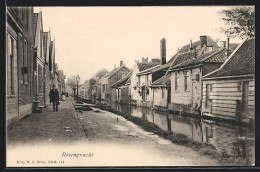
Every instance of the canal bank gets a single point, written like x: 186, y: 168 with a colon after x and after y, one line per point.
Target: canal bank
x: 230, y: 144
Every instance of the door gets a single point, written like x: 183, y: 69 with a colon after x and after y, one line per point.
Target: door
x: 207, y: 96
x: 194, y: 92
x: 245, y: 96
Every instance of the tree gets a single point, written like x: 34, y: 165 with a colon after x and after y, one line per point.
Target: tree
x: 92, y: 82
x: 101, y: 73
x: 240, y: 22
x: 72, y: 82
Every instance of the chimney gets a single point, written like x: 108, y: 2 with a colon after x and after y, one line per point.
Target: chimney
x: 228, y: 50
x: 203, y: 40
x: 121, y: 63
x: 163, y: 51
x: 195, y: 53
x: 223, y: 44
x: 114, y: 66
x: 144, y: 60
x: 191, y: 45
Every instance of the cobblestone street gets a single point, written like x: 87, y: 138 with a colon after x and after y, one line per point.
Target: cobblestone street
x: 47, y: 127
x: 102, y: 133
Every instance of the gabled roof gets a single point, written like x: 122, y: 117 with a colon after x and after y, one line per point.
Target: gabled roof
x: 215, y: 56
x: 144, y: 66
x: 210, y: 42
x: 240, y: 62
x: 45, y: 40
x: 163, y: 81
x: 114, y: 71
x: 122, y: 81
x: 155, y: 69
x: 35, y: 18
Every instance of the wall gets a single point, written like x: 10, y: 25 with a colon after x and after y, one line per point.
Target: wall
x: 224, y: 95
x: 11, y: 99
x: 134, y: 79
x: 182, y: 96
x: 158, y: 99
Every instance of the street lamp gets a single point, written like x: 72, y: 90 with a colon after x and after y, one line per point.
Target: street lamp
x: 77, y: 79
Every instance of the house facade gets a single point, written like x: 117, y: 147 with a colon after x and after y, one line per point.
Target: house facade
x: 229, y: 92
x: 122, y: 90
x: 108, y: 95
x: 186, y: 79
x: 19, y: 62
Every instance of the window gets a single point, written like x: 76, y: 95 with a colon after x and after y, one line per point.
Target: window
x: 123, y: 74
x: 239, y: 86
x: 210, y: 48
x: 162, y: 93
x: 186, y: 81
x: 176, y: 81
x: 11, y: 87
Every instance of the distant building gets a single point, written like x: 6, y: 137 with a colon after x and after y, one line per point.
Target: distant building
x: 229, y: 91
x: 122, y: 90
x: 107, y: 94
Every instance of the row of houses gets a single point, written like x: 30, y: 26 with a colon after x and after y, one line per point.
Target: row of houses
x: 202, y: 78
x: 30, y: 63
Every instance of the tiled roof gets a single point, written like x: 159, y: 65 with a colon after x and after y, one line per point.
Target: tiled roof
x: 165, y: 80
x: 45, y: 39
x: 155, y: 69
x: 35, y: 17
x: 113, y: 71
x: 144, y: 66
x: 173, y: 57
x: 242, y: 62
x: 121, y: 81
x: 210, y: 42
x: 180, y: 58
x: 215, y: 56
x: 128, y: 81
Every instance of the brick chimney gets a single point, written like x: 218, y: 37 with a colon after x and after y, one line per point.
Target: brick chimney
x: 203, y: 40
x: 144, y: 60
x: 191, y: 45
x: 228, y: 49
x: 223, y: 44
x: 121, y: 63
x: 163, y: 51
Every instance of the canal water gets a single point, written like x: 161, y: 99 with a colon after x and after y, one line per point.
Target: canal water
x: 238, y: 141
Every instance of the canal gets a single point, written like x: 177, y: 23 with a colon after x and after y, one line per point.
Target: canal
x: 234, y: 140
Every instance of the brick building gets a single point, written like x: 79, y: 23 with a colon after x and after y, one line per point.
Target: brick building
x: 19, y: 55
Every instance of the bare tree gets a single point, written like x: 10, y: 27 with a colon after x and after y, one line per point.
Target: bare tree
x: 101, y: 73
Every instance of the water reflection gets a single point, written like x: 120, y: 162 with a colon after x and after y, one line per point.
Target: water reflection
x: 230, y: 139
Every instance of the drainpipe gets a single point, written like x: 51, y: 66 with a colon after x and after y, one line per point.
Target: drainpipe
x: 201, y: 94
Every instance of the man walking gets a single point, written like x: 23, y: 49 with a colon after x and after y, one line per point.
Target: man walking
x: 54, y: 98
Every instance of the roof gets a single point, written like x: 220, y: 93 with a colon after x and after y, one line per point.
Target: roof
x: 240, y: 62
x: 35, y: 17
x: 121, y: 81
x: 144, y: 66
x: 210, y: 42
x: 114, y: 71
x: 165, y: 80
x: 45, y: 40
x: 215, y: 56
x: 155, y: 69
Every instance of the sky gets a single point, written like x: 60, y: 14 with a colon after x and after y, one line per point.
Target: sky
x: 88, y: 39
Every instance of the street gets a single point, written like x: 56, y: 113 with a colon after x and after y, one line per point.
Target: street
x: 108, y: 139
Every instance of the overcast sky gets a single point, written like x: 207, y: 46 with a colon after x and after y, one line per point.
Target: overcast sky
x: 91, y: 38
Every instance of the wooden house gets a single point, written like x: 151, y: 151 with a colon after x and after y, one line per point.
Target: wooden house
x: 229, y: 92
